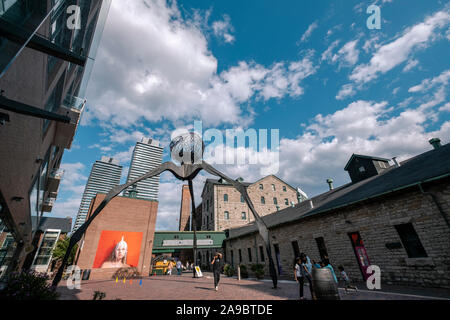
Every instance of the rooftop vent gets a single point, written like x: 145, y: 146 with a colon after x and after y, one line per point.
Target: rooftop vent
x: 435, y: 142
x: 330, y: 183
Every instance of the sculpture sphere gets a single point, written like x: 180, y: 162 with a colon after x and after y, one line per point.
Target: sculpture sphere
x: 187, y: 148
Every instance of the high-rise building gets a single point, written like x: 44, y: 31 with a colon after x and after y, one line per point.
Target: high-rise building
x: 47, y: 50
x: 105, y: 175
x: 147, y: 155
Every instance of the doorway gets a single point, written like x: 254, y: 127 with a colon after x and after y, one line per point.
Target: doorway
x: 360, y: 253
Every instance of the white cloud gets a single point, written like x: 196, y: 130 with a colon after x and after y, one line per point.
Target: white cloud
x: 309, y: 31
x: 162, y: 70
x: 124, y: 156
x: 396, y: 52
x: 224, y: 29
x: 410, y: 64
x: 348, y: 55
x: 347, y: 90
x: 428, y: 84
x: 328, y: 54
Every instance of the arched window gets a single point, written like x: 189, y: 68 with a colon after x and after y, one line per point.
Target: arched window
x: 273, y: 187
x: 225, y: 197
x: 227, y: 215
x: 286, y: 202
x: 261, y: 187
x: 263, y: 200
x: 275, y: 201
x: 244, y: 216
x: 284, y: 188
x: 242, y: 198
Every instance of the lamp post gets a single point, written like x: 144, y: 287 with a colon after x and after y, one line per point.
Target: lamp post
x: 187, y: 150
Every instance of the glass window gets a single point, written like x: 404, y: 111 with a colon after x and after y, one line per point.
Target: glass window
x: 275, y: 201
x: 243, y: 215
x: 263, y: 200
x: 286, y: 201
x: 225, y: 197
x: 242, y: 198
x: 273, y: 187
x: 227, y: 215
x: 411, y: 241
x: 362, y: 169
x: 284, y: 188
x: 54, y: 100
x: 44, y: 253
x: 261, y: 252
x: 261, y: 187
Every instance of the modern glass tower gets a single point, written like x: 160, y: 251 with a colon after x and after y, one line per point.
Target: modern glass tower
x: 105, y: 175
x: 147, y: 155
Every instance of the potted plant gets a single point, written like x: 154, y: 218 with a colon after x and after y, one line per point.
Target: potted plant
x: 258, y: 270
x: 228, y: 270
x: 244, y: 271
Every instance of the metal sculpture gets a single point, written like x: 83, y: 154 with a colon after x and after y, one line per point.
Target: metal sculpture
x: 187, y: 150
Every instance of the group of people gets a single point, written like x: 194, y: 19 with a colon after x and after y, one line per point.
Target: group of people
x: 303, y: 266
x: 179, y: 266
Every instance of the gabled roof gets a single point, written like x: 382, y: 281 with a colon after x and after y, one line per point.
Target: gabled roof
x: 272, y: 175
x: 364, y: 157
x: 63, y: 224
x: 429, y: 166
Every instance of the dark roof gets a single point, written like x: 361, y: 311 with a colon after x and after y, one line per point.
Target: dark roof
x: 431, y: 165
x: 365, y: 157
x: 63, y: 224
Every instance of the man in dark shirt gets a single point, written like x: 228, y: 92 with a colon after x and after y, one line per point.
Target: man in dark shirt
x: 217, y: 268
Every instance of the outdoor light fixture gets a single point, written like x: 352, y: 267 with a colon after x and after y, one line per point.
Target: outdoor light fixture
x: 187, y: 151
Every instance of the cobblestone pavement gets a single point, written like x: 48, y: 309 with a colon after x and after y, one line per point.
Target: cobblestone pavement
x: 184, y: 287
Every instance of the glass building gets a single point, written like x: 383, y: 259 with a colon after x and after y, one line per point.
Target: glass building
x: 47, y: 50
x: 147, y: 155
x: 104, y: 176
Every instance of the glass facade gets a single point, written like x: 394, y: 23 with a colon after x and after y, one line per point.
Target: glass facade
x: 44, y: 253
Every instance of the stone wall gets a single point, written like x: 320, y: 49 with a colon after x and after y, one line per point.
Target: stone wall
x: 375, y: 221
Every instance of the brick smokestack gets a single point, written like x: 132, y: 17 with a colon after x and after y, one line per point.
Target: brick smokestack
x: 185, y: 209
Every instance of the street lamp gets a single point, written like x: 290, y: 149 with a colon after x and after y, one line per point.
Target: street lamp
x: 187, y: 150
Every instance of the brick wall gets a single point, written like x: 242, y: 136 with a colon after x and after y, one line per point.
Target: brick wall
x: 121, y: 214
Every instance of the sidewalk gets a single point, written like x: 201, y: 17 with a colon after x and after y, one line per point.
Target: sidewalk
x: 185, y: 287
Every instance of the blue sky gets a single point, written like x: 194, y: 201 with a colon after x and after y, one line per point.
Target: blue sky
x: 311, y: 69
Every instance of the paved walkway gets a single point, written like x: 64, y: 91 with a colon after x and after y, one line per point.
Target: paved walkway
x: 184, y: 287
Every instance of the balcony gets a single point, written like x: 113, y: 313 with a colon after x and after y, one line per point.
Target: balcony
x: 47, y: 206
x: 53, y: 180
x: 71, y: 107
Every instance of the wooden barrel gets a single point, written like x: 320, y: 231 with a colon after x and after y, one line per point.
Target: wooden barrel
x: 324, y: 285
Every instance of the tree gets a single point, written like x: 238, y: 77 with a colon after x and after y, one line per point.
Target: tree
x: 60, y: 251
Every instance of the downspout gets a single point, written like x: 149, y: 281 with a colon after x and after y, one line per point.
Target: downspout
x: 433, y: 197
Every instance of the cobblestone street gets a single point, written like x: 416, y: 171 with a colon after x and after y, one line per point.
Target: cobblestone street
x: 186, y: 288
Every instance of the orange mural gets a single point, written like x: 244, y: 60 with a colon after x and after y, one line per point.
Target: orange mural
x: 118, y: 249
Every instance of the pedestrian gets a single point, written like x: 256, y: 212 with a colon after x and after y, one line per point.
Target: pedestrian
x: 169, y: 268
x: 346, y: 280
x: 178, y: 265
x: 217, y: 267
x: 307, y: 266
x: 316, y: 264
x: 326, y: 264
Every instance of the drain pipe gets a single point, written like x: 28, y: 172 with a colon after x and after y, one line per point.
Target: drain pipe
x: 433, y: 196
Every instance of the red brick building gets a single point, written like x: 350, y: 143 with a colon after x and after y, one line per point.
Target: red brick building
x: 127, y: 221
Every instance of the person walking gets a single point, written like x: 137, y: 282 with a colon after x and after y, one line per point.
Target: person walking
x: 346, y: 280
x: 307, y: 268
x: 169, y: 268
x: 217, y: 267
x: 178, y: 265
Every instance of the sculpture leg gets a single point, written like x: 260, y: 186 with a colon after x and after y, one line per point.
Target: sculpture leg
x: 194, y: 224
x: 263, y: 230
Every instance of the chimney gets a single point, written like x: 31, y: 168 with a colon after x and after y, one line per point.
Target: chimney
x: 330, y: 183
x: 396, y: 162
x: 435, y: 142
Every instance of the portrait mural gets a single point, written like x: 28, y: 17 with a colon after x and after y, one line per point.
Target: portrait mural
x: 118, y: 249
